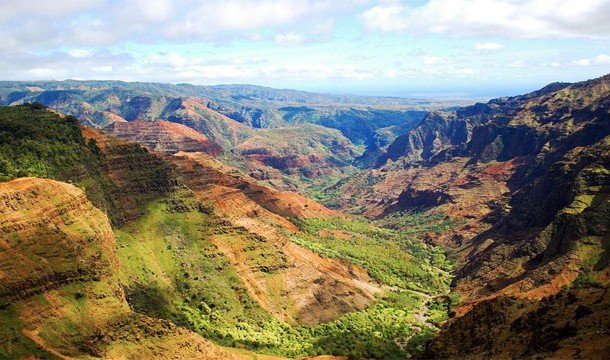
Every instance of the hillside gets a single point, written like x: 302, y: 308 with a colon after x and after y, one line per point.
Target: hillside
x: 526, y: 179
x: 60, y: 295
x: 203, y: 247
x: 485, y: 229
x: 241, y: 119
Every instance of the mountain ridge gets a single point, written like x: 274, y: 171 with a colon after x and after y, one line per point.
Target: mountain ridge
x: 515, y: 192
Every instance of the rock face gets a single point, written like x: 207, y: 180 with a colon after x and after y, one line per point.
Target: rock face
x: 51, y: 236
x: 308, y: 151
x: 528, y: 177
x: 163, y: 136
x: 58, y: 271
x: 571, y: 325
x: 201, y: 171
x: 312, y: 289
x: 133, y: 176
x: 553, y: 231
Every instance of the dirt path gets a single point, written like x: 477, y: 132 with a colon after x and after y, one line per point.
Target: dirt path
x: 33, y: 335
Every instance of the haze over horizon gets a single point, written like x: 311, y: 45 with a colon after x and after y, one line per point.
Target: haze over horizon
x: 394, y: 48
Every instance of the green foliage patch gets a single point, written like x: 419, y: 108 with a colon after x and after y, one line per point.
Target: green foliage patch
x: 172, y: 270
x: 396, y: 257
x: 37, y: 142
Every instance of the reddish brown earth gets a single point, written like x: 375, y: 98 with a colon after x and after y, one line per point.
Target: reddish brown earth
x: 302, y: 287
x: 529, y: 179
x: 47, y: 227
x: 58, y: 271
x: 195, y: 113
x: 201, y: 171
x: 163, y: 136
x: 306, y: 150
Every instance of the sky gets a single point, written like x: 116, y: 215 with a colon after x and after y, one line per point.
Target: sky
x: 398, y: 48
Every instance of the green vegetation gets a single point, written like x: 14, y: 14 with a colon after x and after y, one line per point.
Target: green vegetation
x: 172, y: 270
x: 13, y: 343
x: 411, y: 224
x: 37, y: 142
x: 394, y: 257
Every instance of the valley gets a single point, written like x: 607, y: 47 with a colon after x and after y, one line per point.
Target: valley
x: 144, y: 220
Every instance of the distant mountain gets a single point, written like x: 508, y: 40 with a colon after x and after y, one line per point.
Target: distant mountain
x: 110, y: 250
x: 230, y: 115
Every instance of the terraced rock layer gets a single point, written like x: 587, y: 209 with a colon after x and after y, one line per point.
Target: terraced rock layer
x: 51, y: 235
x: 59, y: 290
x: 312, y: 289
x: 163, y: 136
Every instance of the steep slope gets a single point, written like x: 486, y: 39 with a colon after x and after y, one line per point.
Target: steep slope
x: 297, y: 157
x: 132, y: 175
x: 527, y: 177
x: 571, y: 325
x: 163, y: 136
x: 60, y: 296
x: 310, y: 284
x: 34, y: 208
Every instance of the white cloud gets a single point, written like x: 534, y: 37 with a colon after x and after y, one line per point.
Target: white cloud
x: 516, y: 64
x: 386, y: 18
x: 288, y: 39
x: 468, y: 72
x: 432, y: 60
x: 497, y: 18
x: 103, y: 68
x: 488, y: 46
x: 601, y: 59
x: 582, y: 62
x: 80, y: 53
x: 49, y: 8
x: 50, y: 23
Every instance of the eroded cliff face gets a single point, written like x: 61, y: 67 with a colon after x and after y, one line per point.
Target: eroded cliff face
x: 163, y: 136
x: 51, y: 236
x: 60, y: 296
x: 279, y: 156
x: 556, y: 229
x: 300, y: 286
x: 572, y: 325
x: 528, y: 177
x: 132, y: 177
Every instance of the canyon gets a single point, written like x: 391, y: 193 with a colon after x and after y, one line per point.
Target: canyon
x: 149, y: 220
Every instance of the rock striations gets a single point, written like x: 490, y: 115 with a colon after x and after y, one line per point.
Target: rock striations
x: 58, y: 270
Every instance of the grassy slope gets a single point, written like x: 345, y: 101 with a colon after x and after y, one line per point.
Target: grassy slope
x: 394, y: 257
x: 172, y: 270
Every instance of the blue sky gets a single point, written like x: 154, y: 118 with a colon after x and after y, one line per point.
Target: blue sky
x: 435, y: 47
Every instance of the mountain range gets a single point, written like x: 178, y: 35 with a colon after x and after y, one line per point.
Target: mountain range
x: 144, y: 220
